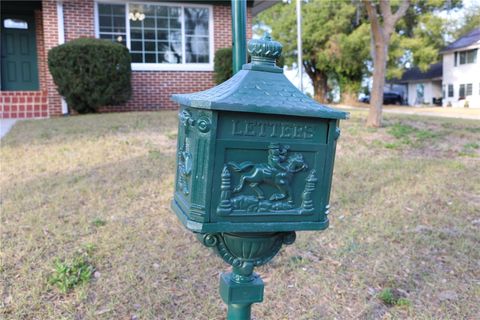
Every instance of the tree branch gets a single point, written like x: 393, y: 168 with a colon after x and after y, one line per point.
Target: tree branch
x: 308, y: 69
x: 373, y: 17
x: 401, y: 11
x: 385, y: 10
x: 389, y: 19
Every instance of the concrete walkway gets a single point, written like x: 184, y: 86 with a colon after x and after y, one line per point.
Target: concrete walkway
x: 457, y: 113
x: 5, y: 126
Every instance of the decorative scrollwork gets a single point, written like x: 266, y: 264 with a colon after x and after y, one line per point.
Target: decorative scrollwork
x: 209, y: 240
x: 289, y: 238
x: 241, y: 250
x: 203, y: 123
x: 265, y: 49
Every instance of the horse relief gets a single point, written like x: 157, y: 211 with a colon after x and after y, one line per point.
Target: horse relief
x: 277, y: 172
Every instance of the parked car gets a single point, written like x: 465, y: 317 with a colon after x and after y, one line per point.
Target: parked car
x: 388, y: 98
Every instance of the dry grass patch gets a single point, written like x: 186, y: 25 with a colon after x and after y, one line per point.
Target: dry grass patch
x: 403, y: 241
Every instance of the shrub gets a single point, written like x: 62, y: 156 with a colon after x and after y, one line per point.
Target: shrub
x: 91, y: 73
x: 223, y: 64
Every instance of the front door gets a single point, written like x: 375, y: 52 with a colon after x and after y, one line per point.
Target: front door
x: 19, y: 70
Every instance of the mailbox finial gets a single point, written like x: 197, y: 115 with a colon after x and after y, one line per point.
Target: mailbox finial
x: 264, y: 51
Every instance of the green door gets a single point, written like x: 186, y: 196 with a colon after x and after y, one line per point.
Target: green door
x: 19, y: 53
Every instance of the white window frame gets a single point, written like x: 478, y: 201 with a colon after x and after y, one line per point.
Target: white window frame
x: 164, y: 66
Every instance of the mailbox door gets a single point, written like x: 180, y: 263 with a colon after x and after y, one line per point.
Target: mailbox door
x: 270, y: 169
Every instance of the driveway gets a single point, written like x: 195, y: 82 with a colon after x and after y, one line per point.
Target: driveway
x: 5, y: 126
x: 458, y: 113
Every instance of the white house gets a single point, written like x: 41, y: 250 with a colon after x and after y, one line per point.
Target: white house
x: 420, y: 88
x: 461, y: 72
x: 453, y: 82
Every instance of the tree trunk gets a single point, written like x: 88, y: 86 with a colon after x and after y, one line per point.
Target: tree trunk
x: 381, y: 39
x: 320, y: 87
x: 376, y: 97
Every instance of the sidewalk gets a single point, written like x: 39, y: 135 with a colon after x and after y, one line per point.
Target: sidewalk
x: 5, y: 126
x: 458, y: 113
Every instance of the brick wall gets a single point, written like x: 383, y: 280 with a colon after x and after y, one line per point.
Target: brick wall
x: 23, y: 104
x: 151, y: 90
x: 50, y: 38
x: 79, y: 19
x: 42, y: 61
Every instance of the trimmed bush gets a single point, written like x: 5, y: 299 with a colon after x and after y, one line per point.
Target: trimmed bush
x: 222, y: 65
x: 91, y: 73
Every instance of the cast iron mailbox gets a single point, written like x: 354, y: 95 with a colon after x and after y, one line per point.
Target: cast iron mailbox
x: 254, y: 165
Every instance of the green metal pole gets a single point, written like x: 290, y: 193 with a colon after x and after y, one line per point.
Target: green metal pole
x: 239, y: 34
x: 239, y: 312
x: 239, y: 290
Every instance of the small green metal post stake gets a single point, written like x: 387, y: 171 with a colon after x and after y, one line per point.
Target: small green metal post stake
x: 239, y: 34
x: 239, y: 289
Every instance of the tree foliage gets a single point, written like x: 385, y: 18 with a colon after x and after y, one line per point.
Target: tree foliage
x: 222, y: 65
x: 419, y: 36
x: 337, y: 38
x: 471, y: 20
x: 333, y: 40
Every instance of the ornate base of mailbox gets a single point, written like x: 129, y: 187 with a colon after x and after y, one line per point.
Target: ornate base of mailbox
x: 244, y: 251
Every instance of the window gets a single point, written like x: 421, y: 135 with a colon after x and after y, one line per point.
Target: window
x: 160, y: 36
x: 455, y: 59
x: 420, y: 90
x: 461, y: 91
x: 450, y: 90
x: 469, y: 56
x: 469, y: 89
x: 112, y: 23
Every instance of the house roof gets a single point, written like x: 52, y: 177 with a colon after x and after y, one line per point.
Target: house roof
x: 464, y: 41
x: 415, y: 74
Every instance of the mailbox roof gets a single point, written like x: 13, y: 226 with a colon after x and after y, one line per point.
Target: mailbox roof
x: 259, y: 91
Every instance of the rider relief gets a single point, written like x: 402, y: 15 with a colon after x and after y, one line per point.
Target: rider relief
x: 244, y: 185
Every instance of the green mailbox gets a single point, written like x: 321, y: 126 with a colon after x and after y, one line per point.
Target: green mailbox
x: 254, y: 164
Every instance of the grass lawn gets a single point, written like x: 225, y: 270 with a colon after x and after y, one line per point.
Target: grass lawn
x: 403, y: 243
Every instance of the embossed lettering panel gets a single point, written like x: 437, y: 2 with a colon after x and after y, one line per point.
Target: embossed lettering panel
x: 247, y: 126
x: 268, y: 181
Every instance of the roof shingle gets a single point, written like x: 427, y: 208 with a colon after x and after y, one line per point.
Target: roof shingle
x: 466, y: 40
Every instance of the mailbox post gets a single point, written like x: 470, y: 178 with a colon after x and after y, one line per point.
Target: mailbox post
x: 254, y: 165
